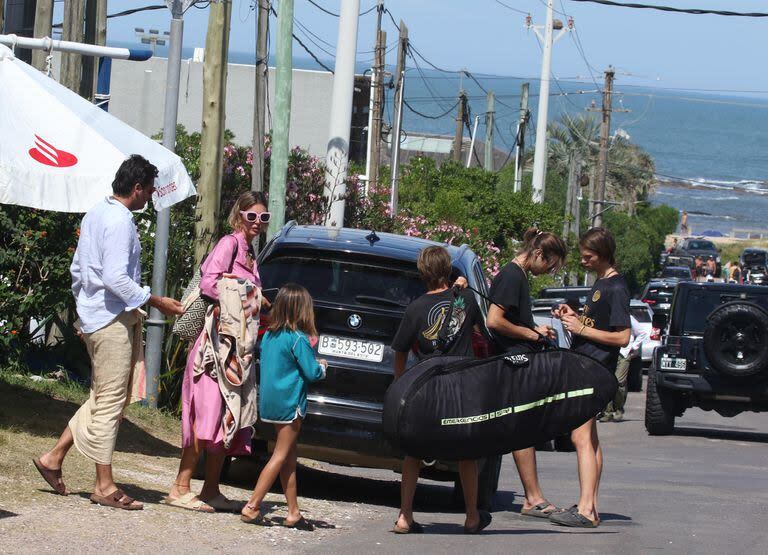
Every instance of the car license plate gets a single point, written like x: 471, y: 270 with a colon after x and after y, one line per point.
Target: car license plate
x: 345, y: 347
x: 671, y: 363
x: 664, y: 306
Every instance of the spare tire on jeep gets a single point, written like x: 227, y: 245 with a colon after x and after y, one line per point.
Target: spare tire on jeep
x: 736, y: 339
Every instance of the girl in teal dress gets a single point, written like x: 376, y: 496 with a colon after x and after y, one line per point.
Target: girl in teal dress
x: 288, y: 364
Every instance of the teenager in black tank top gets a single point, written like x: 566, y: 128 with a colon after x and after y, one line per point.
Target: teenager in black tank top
x: 600, y: 331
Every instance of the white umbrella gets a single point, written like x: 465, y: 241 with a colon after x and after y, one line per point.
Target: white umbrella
x: 60, y: 152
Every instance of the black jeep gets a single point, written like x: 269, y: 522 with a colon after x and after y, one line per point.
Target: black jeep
x: 361, y: 283
x: 714, y: 354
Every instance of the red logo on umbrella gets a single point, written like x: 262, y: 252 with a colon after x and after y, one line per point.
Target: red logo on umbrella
x: 45, y: 153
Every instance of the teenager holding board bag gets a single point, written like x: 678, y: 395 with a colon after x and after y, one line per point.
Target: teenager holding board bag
x: 599, y: 332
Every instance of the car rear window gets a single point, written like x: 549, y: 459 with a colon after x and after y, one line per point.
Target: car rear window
x: 753, y: 259
x: 701, y: 245
x: 676, y: 272
x: 700, y: 304
x: 344, y: 281
x: 660, y: 294
x: 641, y: 314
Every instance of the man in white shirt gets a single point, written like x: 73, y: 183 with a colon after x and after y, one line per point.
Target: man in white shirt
x: 106, y: 283
x: 615, y: 409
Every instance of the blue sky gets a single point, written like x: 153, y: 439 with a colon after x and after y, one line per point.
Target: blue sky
x: 646, y: 47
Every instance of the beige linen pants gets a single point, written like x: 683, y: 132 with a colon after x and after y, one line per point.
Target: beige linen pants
x: 112, y: 351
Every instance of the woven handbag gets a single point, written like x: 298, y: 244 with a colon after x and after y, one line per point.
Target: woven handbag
x: 189, y: 325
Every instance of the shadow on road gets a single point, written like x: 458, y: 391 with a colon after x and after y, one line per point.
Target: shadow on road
x: 727, y: 434
x: 41, y: 415
x: 7, y: 514
x: 436, y: 497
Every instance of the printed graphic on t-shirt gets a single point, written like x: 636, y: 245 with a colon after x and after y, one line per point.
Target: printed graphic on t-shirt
x: 437, y: 315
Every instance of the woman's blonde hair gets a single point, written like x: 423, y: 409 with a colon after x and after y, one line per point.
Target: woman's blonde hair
x: 242, y: 203
x: 293, y: 309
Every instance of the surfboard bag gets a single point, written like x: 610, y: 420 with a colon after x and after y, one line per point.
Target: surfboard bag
x: 456, y: 408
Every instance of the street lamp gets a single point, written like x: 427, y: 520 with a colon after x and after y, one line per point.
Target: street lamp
x: 153, y: 37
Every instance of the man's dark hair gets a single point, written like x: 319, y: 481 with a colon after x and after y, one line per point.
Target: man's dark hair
x: 136, y: 169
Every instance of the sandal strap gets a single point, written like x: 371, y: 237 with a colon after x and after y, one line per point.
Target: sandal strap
x: 123, y: 498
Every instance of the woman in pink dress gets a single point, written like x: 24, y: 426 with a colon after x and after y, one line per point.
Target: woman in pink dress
x: 202, y: 403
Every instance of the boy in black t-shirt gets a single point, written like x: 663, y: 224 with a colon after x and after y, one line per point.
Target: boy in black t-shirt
x: 421, y: 328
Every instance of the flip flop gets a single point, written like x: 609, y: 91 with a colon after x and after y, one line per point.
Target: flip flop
x: 485, y: 520
x: 301, y: 524
x: 52, y: 477
x: 414, y: 528
x: 118, y: 500
x: 573, y: 519
x: 539, y: 511
x: 223, y: 505
x: 190, y: 502
x: 258, y: 520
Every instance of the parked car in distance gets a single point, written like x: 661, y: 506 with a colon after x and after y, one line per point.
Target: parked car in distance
x: 681, y: 273
x: 698, y: 246
x: 679, y: 260
x: 361, y: 283
x: 658, y: 294
x: 714, y: 355
x: 643, y: 314
x: 754, y: 264
x: 575, y: 297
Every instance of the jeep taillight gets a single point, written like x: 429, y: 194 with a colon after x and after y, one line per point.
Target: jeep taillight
x: 655, y: 334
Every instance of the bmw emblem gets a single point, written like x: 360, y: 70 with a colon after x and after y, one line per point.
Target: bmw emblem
x: 354, y: 321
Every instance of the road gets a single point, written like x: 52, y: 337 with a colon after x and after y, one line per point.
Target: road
x: 702, y: 490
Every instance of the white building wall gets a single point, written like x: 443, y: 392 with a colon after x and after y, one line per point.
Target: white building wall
x: 138, y: 93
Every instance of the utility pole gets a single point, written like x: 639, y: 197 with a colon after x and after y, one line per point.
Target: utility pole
x: 571, y: 223
x: 458, y: 135
x: 156, y: 321
x: 212, y: 139
x: 602, y: 159
x: 472, y: 141
x: 402, y: 50
x: 100, y: 38
x: 260, y: 95
x: 95, y: 33
x: 489, y: 109
x: 540, y: 154
x: 337, y: 153
x: 72, y: 30
x: 43, y: 26
x: 520, y: 146
x: 278, y: 169
x: 377, y: 91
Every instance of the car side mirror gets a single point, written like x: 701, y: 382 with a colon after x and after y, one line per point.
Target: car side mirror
x: 659, y: 321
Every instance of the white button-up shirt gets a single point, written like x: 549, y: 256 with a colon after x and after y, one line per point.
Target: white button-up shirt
x: 106, y: 269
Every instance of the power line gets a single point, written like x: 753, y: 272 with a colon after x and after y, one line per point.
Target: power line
x: 427, y: 116
x: 304, y: 46
x: 322, y: 9
x: 693, y: 11
x: 511, y: 8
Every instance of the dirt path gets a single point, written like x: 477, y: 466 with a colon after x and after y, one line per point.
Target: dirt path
x: 33, y: 519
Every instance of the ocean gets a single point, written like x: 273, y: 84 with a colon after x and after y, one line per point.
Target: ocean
x: 710, y: 150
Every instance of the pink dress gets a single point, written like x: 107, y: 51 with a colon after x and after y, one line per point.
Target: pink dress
x: 201, y: 403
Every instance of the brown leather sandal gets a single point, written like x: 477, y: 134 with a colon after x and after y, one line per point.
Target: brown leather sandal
x: 119, y: 500
x: 53, y: 477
